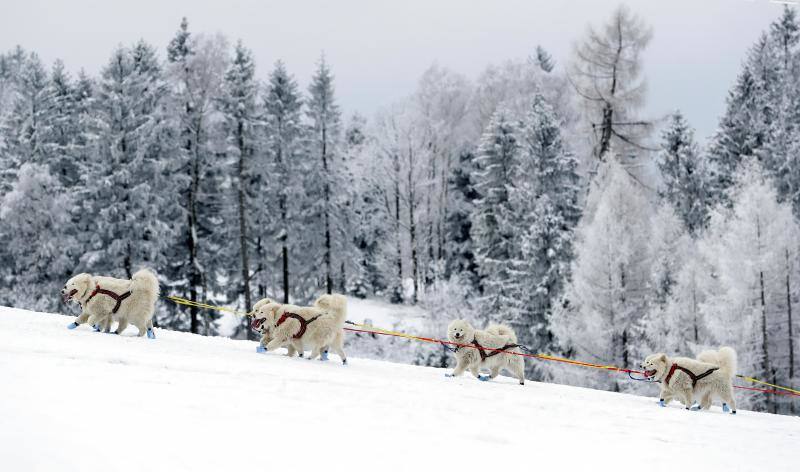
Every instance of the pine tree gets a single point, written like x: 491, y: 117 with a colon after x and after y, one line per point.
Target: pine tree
x: 324, y: 117
x: 544, y: 60
x: 497, y: 162
x: 23, y: 127
x: 239, y: 109
x: 684, y: 174
x: 35, y: 216
x: 131, y: 194
x: 459, y: 248
x: 284, y: 131
x: 544, y: 200
x: 196, y: 66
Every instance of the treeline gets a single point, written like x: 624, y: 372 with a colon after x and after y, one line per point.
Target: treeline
x: 536, y: 195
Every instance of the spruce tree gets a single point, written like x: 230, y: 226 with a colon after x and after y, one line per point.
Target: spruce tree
x: 324, y: 118
x: 684, y: 174
x: 240, y: 112
x: 497, y: 163
x: 284, y: 133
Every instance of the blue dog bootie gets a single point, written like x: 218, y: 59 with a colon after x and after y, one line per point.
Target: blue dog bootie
x: 260, y: 349
x: 323, y: 356
x: 661, y: 403
x: 72, y: 325
x: 725, y: 408
x: 150, y: 333
x: 484, y: 378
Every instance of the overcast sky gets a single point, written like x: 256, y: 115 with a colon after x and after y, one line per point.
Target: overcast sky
x: 379, y: 48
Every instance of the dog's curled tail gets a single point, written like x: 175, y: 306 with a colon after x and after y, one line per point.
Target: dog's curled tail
x: 144, y: 281
x: 727, y: 361
x: 335, y: 303
x: 503, y: 330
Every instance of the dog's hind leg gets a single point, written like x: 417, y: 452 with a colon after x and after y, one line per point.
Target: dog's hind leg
x: 123, y: 323
x: 315, y: 352
x: 517, y: 367
x: 727, y: 399
x: 275, y: 344
x: 705, y: 402
x: 686, y: 398
x: 338, y: 347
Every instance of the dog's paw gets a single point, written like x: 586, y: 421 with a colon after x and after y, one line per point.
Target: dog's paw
x: 323, y: 356
x: 725, y: 408
x: 661, y: 403
x: 484, y: 378
x: 344, y: 361
x: 151, y: 334
x: 260, y: 349
x: 96, y: 328
x: 733, y: 412
x: 448, y: 375
x: 72, y: 325
x: 695, y: 407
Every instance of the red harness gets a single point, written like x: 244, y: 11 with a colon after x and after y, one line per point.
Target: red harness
x: 115, y: 296
x: 303, y: 323
x: 483, y: 354
x: 691, y: 374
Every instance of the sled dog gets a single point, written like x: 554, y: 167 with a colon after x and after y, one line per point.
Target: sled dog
x: 107, y: 299
x: 475, y: 356
x: 682, y: 378
x: 316, y: 326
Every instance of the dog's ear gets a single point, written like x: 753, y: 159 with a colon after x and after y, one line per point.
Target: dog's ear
x: 663, y: 358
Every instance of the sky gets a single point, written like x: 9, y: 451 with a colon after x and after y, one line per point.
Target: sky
x: 378, y: 49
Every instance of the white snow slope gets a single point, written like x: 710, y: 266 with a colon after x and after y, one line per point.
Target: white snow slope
x: 79, y: 400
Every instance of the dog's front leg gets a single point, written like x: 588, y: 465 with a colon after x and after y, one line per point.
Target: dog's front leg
x: 276, y: 343
x: 461, y: 366
x: 79, y: 320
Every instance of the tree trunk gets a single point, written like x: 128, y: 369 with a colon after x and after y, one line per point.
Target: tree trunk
x: 412, y: 227
x: 326, y: 210
x: 242, y: 219
x: 192, y: 243
x: 790, y: 324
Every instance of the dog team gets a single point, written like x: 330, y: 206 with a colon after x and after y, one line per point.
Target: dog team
x: 320, y: 327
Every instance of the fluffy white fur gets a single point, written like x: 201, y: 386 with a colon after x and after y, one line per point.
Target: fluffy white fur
x: 717, y: 384
x: 320, y: 333
x: 137, y: 309
x: 494, y: 336
x: 262, y: 322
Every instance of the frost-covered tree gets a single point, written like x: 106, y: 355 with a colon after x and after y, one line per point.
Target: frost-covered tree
x: 23, y: 127
x: 284, y: 133
x: 606, y: 73
x: 35, y: 216
x: 195, y: 68
x: 544, y: 60
x: 323, y: 170
x: 241, y: 119
x: 497, y: 162
x: 751, y: 248
x: 673, y: 322
x: 130, y: 203
x: 459, y: 246
x: 683, y: 173
x: 544, y: 201
x: 608, y: 293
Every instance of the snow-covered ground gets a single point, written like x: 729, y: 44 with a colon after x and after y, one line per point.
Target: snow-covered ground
x: 83, y: 401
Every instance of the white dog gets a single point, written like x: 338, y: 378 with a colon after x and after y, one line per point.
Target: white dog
x: 684, y: 378
x: 106, y: 299
x: 261, y: 323
x: 474, y: 355
x: 316, y: 326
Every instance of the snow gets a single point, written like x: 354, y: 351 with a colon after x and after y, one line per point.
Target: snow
x: 79, y: 400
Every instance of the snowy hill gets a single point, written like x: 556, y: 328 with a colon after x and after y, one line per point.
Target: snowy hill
x: 79, y: 400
